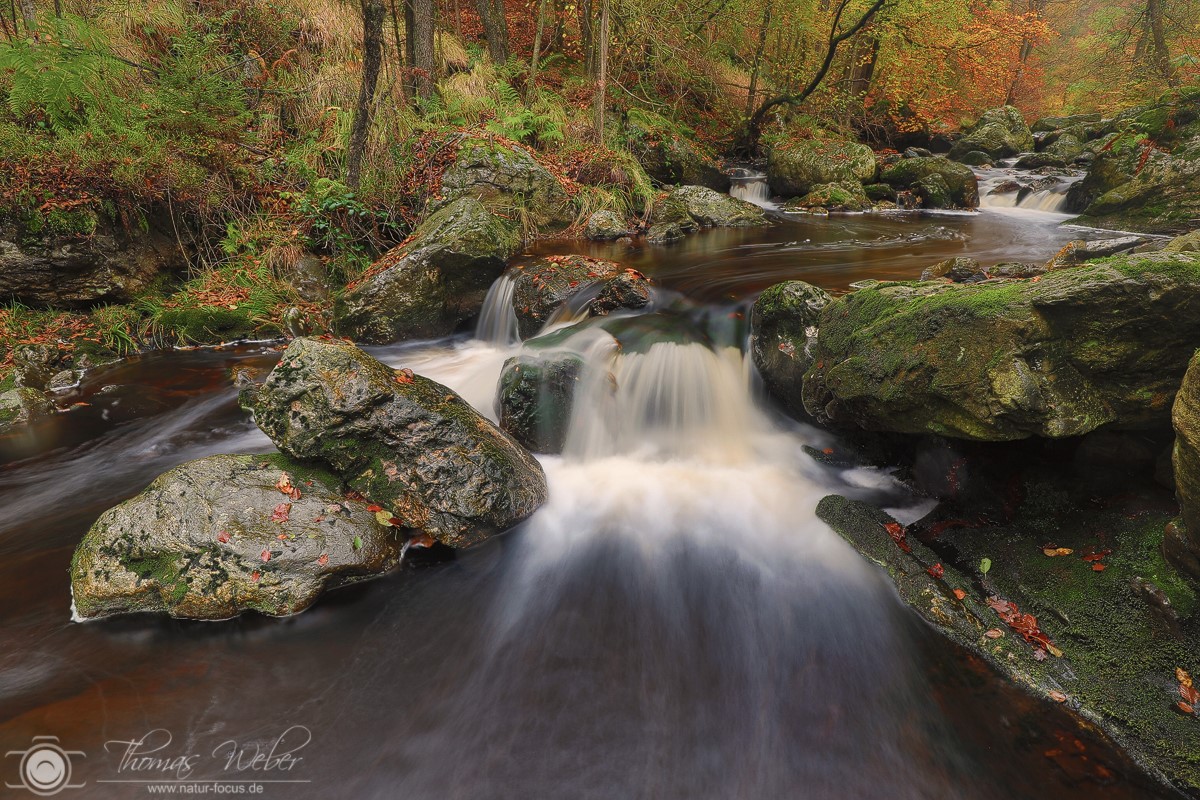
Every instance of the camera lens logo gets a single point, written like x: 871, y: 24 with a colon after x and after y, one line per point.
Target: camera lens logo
x: 45, y: 767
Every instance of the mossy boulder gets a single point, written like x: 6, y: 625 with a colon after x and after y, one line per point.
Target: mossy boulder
x: 544, y: 286
x: 1047, y: 124
x: 1187, y: 243
x: 535, y: 397
x: 1185, y: 458
x: 783, y: 329
x: 212, y: 325
x: 1163, y: 196
x: 215, y: 537
x: 1000, y: 132
x: 509, y: 181
x: 21, y: 406
x: 956, y: 182
x: 794, y: 168
x: 408, y: 443
x: 842, y: 196
x: 671, y: 154
x: 1105, y: 343
x: 710, y: 209
x: 434, y: 282
x: 606, y: 226
x: 81, y: 260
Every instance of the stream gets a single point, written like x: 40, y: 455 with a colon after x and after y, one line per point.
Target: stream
x: 674, y: 623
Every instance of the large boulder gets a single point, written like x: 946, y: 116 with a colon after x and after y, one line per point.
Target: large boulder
x: 606, y: 226
x: 794, y: 168
x: 783, y: 329
x: 80, y: 258
x: 535, y: 397
x: 928, y: 176
x: 710, y: 209
x: 843, y: 196
x: 1161, y: 196
x: 1048, y: 124
x: 542, y: 287
x: 406, y: 442
x: 215, y: 537
x: 1185, y: 459
x: 434, y: 282
x: 1105, y: 343
x: 1000, y: 132
x: 508, y: 180
x: 669, y: 155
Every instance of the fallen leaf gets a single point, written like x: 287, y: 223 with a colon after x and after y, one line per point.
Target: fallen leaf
x: 357, y: 543
x: 896, y: 531
x: 1185, y: 708
x: 373, y: 508
x: 384, y: 517
x: 1054, y: 651
x: 223, y: 537
x: 265, y: 556
x: 323, y: 560
x: 282, y: 537
x: 1058, y: 696
x: 1096, y: 556
x: 254, y: 576
x: 1097, y: 567
x: 1057, y: 551
x: 1189, y: 694
x: 937, y: 570
x: 828, y: 451
x: 421, y: 540
x: 1182, y: 676
x: 960, y: 594
x: 284, y: 484
x: 404, y: 376
x: 993, y: 633
x: 281, y: 512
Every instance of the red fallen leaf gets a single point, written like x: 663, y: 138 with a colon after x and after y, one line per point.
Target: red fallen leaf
x: 421, y: 540
x: 896, y: 531
x: 1058, y: 696
x: 254, y: 576
x: 1185, y: 708
x: 80, y: 404
x: 993, y: 633
x: 323, y: 560
x: 937, y: 570
x: 294, y: 493
x: 355, y: 495
x: 308, y: 483
x: 960, y: 594
x: 223, y: 537
x: 318, y: 519
x: 1097, y: 567
x: 999, y: 605
x: 282, y: 537
x: 1096, y: 556
x: 404, y: 376
x: 266, y: 556
x: 396, y: 522
x: 828, y: 451
x: 373, y: 508
x: 281, y: 512
x: 1189, y: 694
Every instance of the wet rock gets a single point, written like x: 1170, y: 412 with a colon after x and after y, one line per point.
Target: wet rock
x: 1187, y: 243
x: 434, y: 282
x: 1016, y: 269
x: 82, y: 260
x: 510, y: 182
x: 957, y: 181
x: 21, y: 406
x: 958, y: 270
x: 783, y: 329
x: 842, y: 196
x: 976, y: 158
x: 408, y: 443
x: 1000, y: 132
x: 1046, y: 124
x: 794, y: 168
x: 535, y: 397
x: 916, y: 152
x: 544, y: 286
x: 310, y: 278
x: 710, y: 209
x: 1005, y: 187
x: 203, y: 542
x: 1007, y: 360
x: 35, y: 364
x: 880, y: 192
x: 669, y: 220
x: 1185, y: 459
x: 606, y: 226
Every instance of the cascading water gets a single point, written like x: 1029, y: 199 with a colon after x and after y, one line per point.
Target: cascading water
x: 498, y: 318
x: 1008, y: 188
x: 752, y: 187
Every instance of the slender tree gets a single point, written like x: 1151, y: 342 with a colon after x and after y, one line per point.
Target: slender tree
x: 29, y: 14
x: 537, y: 53
x: 373, y: 14
x: 758, y: 55
x: 422, y: 45
x: 495, y: 28
x: 602, y: 70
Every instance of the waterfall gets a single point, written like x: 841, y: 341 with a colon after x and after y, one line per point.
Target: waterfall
x: 1013, y: 189
x: 752, y: 187
x: 498, y: 319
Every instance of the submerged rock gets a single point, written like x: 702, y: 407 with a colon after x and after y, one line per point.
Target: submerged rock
x: 434, y: 282
x: 542, y: 287
x: 941, y: 182
x: 509, y: 181
x: 535, y: 397
x: 794, y: 168
x: 408, y: 443
x: 783, y: 328
x: 22, y: 406
x: 1000, y: 132
x: 203, y: 542
x: 1104, y: 343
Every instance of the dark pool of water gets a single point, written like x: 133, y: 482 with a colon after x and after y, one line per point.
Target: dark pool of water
x: 599, y: 666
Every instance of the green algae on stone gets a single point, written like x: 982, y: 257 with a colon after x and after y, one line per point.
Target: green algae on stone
x: 536, y: 396
x: 783, y: 328
x: 794, y: 168
x: 203, y: 542
x: 407, y: 442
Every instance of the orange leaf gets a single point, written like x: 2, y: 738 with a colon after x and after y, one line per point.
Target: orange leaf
x: 960, y: 594
x: 1185, y: 708
x: 324, y: 559
x: 1058, y: 696
x: 994, y: 633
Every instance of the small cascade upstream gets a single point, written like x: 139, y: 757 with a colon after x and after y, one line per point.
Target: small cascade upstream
x: 1008, y: 188
x: 498, y: 318
x: 751, y: 186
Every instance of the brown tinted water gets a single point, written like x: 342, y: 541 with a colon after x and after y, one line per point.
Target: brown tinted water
x: 670, y: 625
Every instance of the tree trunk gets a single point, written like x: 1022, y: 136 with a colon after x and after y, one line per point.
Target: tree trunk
x: 1161, y: 56
x: 587, y: 36
x: 1037, y: 7
x: 531, y: 86
x: 602, y: 80
x: 495, y: 28
x: 422, y: 46
x: 401, y: 55
x: 862, y: 70
x: 29, y: 14
x: 758, y: 54
x: 373, y: 14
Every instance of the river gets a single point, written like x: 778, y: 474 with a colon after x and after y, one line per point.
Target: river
x: 674, y: 623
